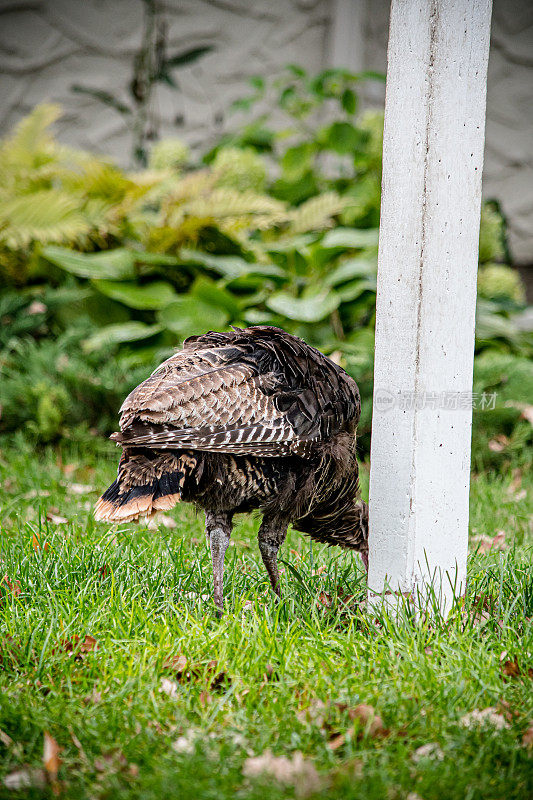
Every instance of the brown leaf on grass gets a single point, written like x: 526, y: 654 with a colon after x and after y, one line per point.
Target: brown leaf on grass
x: 79, y: 488
x: 169, y: 687
x: 33, y: 493
x: 499, y: 443
x: 271, y: 673
x: 336, y: 741
x: 56, y: 519
x: 527, y: 738
x: 296, y: 771
x: 175, y: 663
x: 69, y: 469
x: 164, y: 520
x: 13, y: 587
x: 527, y: 414
x: 367, y: 716
x: 51, y: 760
x: 95, y: 697
x: 485, y: 716
x: 314, y: 713
x: 512, y: 669
x: 10, y: 650
x: 516, y: 482
x: 25, y: 778
x: 37, y: 545
x: 205, y: 699
x: 484, y: 544
x: 80, y: 647
x: 6, y: 740
x: 429, y: 750
x: 325, y: 600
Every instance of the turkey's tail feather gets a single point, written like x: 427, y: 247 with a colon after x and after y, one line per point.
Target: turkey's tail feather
x: 147, y: 482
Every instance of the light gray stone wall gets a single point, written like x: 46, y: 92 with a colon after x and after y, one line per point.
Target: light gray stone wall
x: 47, y: 45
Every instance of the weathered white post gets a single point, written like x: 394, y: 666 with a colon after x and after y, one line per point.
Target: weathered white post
x: 430, y: 208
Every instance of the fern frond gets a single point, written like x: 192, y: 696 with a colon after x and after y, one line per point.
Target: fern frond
x: 316, y: 213
x: 45, y: 216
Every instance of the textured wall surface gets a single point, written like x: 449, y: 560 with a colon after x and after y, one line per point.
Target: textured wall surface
x: 47, y: 45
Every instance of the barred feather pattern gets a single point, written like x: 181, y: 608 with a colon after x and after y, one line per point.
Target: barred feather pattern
x: 243, y: 420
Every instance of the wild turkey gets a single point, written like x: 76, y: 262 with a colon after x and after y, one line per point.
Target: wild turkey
x: 250, y: 419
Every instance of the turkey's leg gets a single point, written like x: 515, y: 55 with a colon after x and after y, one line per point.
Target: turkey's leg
x: 218, y: 532
x: 271, y: 537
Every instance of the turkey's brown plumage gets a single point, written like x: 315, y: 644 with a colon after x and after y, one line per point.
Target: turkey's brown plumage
x: 250, y: 419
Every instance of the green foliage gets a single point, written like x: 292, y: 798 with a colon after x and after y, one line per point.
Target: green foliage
x: 500, y: 282
x: 49, y: 386
x: 168, y: 154
x: 146, y: 259
x: 238, y: 169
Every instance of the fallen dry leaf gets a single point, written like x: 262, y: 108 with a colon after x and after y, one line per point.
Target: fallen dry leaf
x: 527, y: 413
x: 484, y: 544
x: 51, y: 760
x: 367, y: 716
x: 33, y: 493
x: 205, y: 699
x: 169, y: 687
x: 296, y: 771
x: 161, y: 519
x: 79, y: 488
x: 185, y: 743
x: 336, y: 741
x: 25, y: 778
x: 324, y: 599
x: 175, y: 663
x: 6, y: 740
x: 498, y: 444
x: 56, y: 518
x: 315, y: 713
x: 527, y: 738
x: 36, y: 307
x: 78, y: 646
x: 36, y: 542
x: 13, y: 587
x: 511, y: 669
x: 485, y: 716
x: 429, y: 750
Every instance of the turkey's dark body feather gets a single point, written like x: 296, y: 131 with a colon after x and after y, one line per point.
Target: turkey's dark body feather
x: 252, y: 419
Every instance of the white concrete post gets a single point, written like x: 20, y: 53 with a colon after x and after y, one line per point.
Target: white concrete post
x: 430, y: 208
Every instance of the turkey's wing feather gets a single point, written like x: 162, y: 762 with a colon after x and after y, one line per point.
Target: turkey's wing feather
x: 254, y: 392
x: 200, y: 401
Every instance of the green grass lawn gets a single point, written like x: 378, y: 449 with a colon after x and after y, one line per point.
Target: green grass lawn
x: 135, y: 721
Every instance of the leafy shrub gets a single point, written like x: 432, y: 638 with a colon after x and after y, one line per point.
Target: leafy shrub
x: 278, y: 228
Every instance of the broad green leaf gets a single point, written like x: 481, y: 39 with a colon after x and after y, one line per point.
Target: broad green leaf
x: 157, y: 294
x: 349, y: 101
x: 118, y: 264
x: 122, y: 332
x: 158, y: 259
x: 189, y: 315
x: 310, y: 308
x: 342, y: 137
x: 351, y: 291
x: 207, y: 290
x: 350, y: 238
x: 357, y: 267
x: 229, y: 266
x: 296, y: 160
